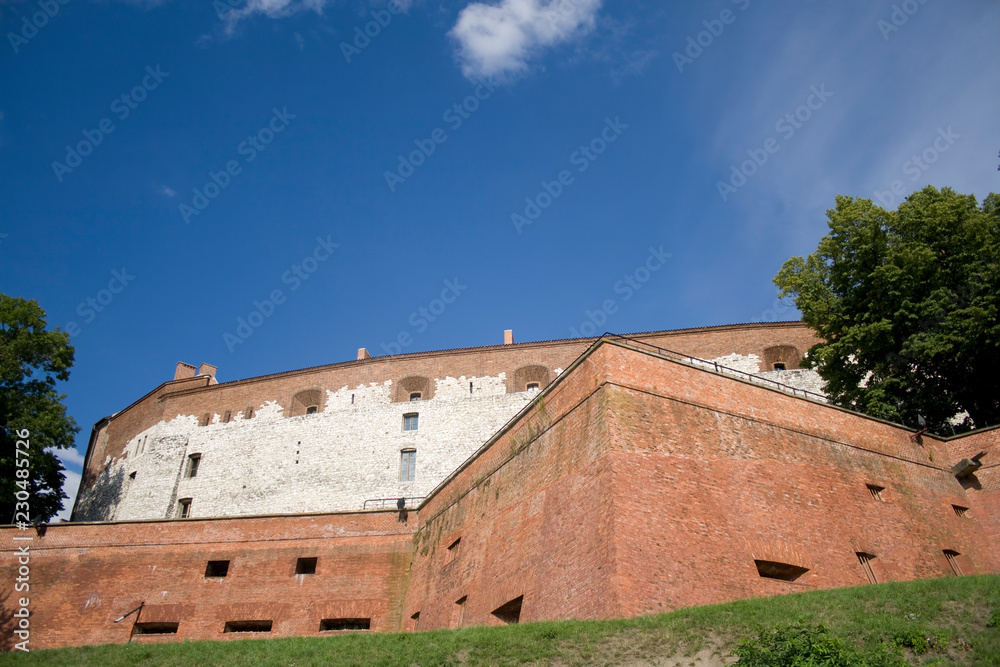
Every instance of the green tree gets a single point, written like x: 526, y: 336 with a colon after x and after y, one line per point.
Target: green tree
x: 32, y: 360
x: 906, y: 302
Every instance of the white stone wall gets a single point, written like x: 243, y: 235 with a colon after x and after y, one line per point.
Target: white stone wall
x: 330, y: 461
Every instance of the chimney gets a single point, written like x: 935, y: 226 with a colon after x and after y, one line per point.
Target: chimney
x: 209, y: 370
x: 363, y: 354
x: 184, y: 371
x: 508, y: 337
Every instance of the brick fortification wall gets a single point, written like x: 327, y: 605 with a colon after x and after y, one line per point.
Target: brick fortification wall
x: 260, y: 453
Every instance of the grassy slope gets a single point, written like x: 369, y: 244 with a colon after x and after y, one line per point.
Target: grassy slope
x: 954, y: 611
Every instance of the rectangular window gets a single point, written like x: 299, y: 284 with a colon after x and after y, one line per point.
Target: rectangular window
x: 217, y: 568
x: 452, y: 551
x: 961, y: 511
x: 311, y: 410
x: 226, y: 417
x: 306, y: 566
x: 952, y: 558
x: 773, y: 570
x: 192, y: 467
x: 408, y: 465
x: 866, y: 565
x: 415, y: 396
x: 341, y: 624
x: 410, y: 421
x: 532, y: 386
x: 205, y: 418
x: 876, y: 492
x: 248, y: 626
x: 248, y: 413
x: 156, y: 628
x: 184, y: 508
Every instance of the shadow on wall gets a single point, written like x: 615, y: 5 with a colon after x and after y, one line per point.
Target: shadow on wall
x: 98, y: 501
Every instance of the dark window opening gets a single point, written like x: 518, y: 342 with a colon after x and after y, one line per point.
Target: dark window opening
x: 410, y: 421
x: 532, y: 386
x: 470, y: 387
x: 961, y: 511
x: 414, y: 621
x: 156, y: 628
x: 184, y: 508
x: 952, y: 558
x: 217, y: 568
x: 415, y: 396
x: 341, y: 624
x: 866, y: 565
x: 452, y: 551
x: 876, y: 492
x: 227, y: 416
x: 306, y: 566
x: 510, y: 612
x: 311, y: 410
x: 770, y: 569
x: 132, y: 474
x: 192, y: 467
x: 778, y: 366
x: 248, y: 626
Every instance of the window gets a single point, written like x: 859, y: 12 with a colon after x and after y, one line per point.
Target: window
x: 458, y: 613
x: 410, y: 421
x: 414, y: 621
x: 248, y: 413
x: 248, y: 626
x: 509, y: 612
x: 407, y: 465
x: 184, y: 508
x: 876, y: 492
x: 532, y: 386
x: 866, y: 565
x: 779, y: 366
x: 205, y: 418
x: 952, y: 558
x: 311, y: 410
x: 156, y: 628
x: 227, y: 417
x: 452, y: 552
x: 961, y: 511
x: 341, y: 624
x: 306, y: 566
x: 415, y: 396
x: 192, y: 467
x: 217, y: 569
x: 773, y: 570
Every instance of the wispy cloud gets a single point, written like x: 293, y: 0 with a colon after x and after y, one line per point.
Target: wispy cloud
x: 500, y: 40
x: 271, y: 9
x: 70, y: 487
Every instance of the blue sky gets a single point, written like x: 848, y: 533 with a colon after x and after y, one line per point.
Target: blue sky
x: 166, y: 168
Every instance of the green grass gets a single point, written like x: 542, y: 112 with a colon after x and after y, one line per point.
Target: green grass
x: 931, y: 622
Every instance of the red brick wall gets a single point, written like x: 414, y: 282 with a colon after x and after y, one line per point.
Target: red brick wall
x: 84, y: 576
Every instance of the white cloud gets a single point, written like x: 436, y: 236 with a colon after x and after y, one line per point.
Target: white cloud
x: 271, y: 9
x: 168, y: 191
x: 70, y: 487
x: 499, y: 40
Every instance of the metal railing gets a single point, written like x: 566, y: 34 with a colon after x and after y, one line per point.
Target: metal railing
x: 718, y: 368
x: 391, y: 503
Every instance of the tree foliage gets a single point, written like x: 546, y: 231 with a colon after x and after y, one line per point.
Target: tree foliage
x: 32, y: 360
x: 907, y: 304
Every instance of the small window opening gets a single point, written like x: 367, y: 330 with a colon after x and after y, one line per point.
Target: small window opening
x: 410, y: 421
x: 184, y: 508
x: 352, y: 399
x: 458, y: 613
x: 217, y: 568
x: 227, y: 416
x: 866, y: 565
x: 248, y: 413
x: 961, y: 511
x: 407, y: 465
x: 876, y: 492
x: 770, y: 569
x: 341, y: 624
x: 311, y: 410
x: 248, y: 626
x: 205, y: 418
x: 415, y: 396
x: 156, y: 628
x: 952, y: 558
x: 779, y: 366
x: 132, y: 474
x: 452, y: 552
x: 470, y: 387
x: 306, y: 566
x: 192, y: 467
x: 510, y: 612
x: 532, y: 386
x: 414, y: 621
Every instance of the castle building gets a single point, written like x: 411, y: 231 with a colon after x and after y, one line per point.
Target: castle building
x: 584, y: 478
